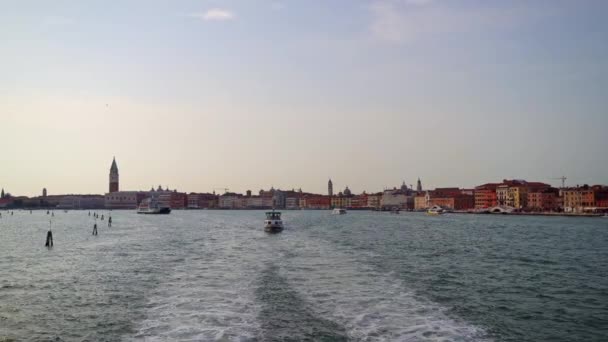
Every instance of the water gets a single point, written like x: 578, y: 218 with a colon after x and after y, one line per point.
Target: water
x: 215, y: 275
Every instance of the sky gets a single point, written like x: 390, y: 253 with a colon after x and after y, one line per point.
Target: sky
x: 249, y: 94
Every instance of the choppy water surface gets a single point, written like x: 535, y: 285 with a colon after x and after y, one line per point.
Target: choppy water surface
x: 215, y: 275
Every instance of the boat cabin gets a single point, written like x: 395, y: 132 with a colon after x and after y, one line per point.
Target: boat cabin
x: 273, y: 215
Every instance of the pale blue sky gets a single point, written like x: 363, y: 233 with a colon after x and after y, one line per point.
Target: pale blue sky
x: 249, y: 94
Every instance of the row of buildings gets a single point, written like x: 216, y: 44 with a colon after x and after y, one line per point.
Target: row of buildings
x: 511, y: 195
x: 541, y: 197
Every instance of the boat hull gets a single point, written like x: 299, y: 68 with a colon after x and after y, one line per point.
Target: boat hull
x: 273, y: 229
x: 163, y: 211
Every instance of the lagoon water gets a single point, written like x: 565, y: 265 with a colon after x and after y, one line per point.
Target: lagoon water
x: 364, y: 276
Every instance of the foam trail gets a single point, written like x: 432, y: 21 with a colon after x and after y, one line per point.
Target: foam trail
x: 372, y: 306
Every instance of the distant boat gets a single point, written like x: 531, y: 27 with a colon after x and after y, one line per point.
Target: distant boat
x: 273, y: 223
x: 435, y: 210
x: 338, y: 211
x: 394, y: 210
x: 152, y: 206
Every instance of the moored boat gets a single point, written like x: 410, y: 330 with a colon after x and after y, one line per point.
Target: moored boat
x: 273, y: 222
x: 153, y: 206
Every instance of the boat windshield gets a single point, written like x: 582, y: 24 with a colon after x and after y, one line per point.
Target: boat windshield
x: 273, y: 215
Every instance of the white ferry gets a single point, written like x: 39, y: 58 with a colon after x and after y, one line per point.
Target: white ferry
x: 338, y: 211
x: 152, y: 206
x: 273, y: 223
x: 435, y: 210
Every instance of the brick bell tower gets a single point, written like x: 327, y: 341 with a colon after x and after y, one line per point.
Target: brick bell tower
x: 114, y: 176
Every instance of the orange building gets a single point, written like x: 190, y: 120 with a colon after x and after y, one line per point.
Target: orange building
x: 359, y: 201
x: 315, y: 202
x: 485, y: 196
x: 579, y: 198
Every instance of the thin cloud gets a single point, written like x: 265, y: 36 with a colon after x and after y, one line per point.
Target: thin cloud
x: 403, y: 21
x: 214, y: 14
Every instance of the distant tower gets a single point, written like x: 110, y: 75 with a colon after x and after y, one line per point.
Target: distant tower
x: 2, y: 194
x: 419, y: 186
x: 114, y: 176
x: 330, y: 188
x: 44, y: 192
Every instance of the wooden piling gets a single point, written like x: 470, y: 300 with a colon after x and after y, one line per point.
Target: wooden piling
x: 49, y: 239
x: 95, y: 229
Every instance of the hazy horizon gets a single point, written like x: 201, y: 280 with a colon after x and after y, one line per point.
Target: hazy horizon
x: 197, y: 95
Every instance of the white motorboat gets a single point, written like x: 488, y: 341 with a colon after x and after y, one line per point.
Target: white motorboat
x: 273, y: 223
x: 435, y: 210
x: 338, y: 211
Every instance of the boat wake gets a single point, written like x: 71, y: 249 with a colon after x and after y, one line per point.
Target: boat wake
x: 371, y: 306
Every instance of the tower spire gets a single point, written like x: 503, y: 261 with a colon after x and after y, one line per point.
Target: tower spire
x: 114, y: 176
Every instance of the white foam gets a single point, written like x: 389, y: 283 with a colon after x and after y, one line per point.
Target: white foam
x: 371, y: 306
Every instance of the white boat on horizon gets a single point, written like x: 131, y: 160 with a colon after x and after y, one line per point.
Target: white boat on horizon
x: 435, y: 210
x: 338, y: 211
x: 153, y: 206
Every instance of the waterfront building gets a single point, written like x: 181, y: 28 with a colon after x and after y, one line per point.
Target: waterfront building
x: 421, y: 201
x: 448, y: 198
x: 486, y: 196
x: 230, y: 200
x: 342, y: 200
x: 292, y: 203
x: 5, y: 202
x: 578, y: 199
x: 360, y: 201
x: 514, y: 193
x: 124, y: 199
x: 397, y: 198
x: 81, y: 202
x: 312, y: 201
x: 178, y: 200
x: 457, y: 202
x: 257, y: 202
x: 202, y: 201
x: 374, y: 201
x: 543, y: 200
x: 114, y: 177
x: 601, y: 197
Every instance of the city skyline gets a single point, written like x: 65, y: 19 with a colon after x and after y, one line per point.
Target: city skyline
x: 199, y: 95
x: 417, y: 185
